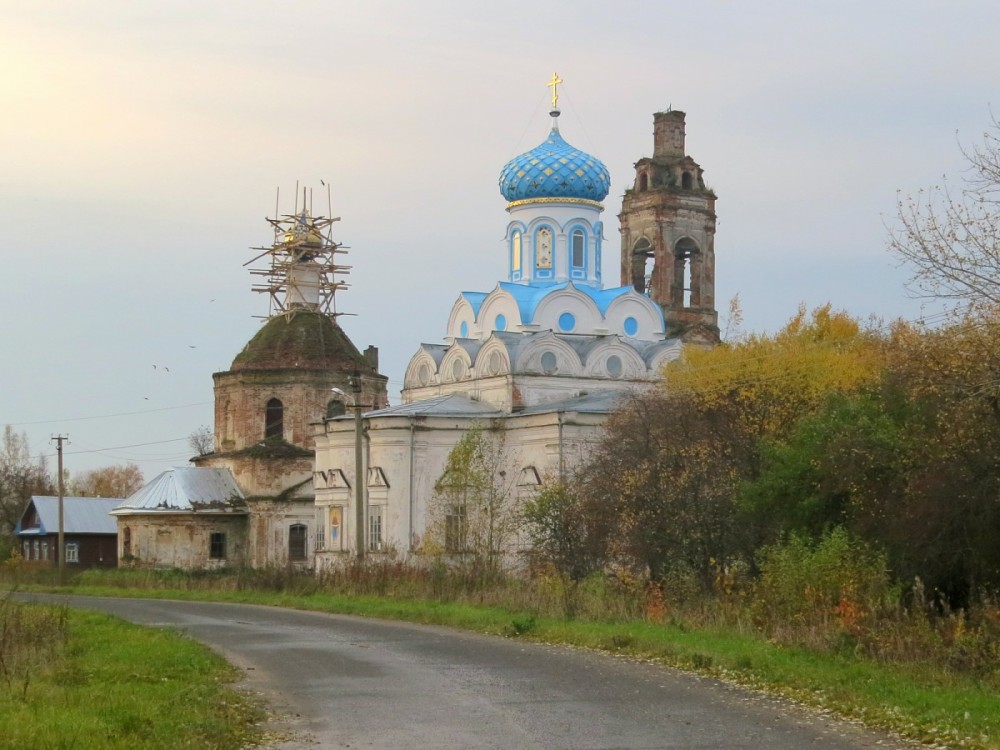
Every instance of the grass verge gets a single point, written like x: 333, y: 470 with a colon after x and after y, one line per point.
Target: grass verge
x: 932, y: 707
x: 116, y: 685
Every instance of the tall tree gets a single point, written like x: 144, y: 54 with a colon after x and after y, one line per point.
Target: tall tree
x: 668, y: 470
x: 772, y: 381
x: 950, y: 235
x: 474, y: 513
x: 21, y: 476
x: 108, y: 481
x: 946, y: 530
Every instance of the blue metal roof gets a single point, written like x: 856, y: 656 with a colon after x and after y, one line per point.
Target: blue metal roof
x: 81, y: 515
x: 529, y: 297
x: 475, y: 299
x: 555, y: 169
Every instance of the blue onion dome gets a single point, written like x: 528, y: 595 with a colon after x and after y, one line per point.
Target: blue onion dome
x: 555, y: 169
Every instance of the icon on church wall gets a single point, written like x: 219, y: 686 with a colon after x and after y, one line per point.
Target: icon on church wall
x: 544, y: 254
x: 335, y: 523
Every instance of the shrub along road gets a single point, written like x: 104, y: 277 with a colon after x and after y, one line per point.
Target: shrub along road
x: 343, y: 681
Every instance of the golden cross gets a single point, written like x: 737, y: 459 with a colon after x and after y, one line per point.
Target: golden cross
x: 554, y: 83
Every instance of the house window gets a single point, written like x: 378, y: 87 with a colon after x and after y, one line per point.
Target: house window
x: 45, y: 551
x: 297, y: 536
x: 127, y: 542
x: 38, y: 547
x: 375, y: 528
x: 217, y: 545
x: 73, y: 552
x: 274, y: 419
x: 456, y: 529
x: 578, y: 248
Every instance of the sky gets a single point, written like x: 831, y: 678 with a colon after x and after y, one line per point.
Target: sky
x: 143, y: 144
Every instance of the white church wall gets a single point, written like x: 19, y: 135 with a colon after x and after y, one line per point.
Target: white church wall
x: 536, y: 445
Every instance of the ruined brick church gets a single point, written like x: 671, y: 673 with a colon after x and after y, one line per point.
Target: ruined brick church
x: 544, y: 357
x: 251, y: 500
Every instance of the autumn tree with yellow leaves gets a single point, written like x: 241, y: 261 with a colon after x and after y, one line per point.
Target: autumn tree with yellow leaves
x: 772, y: 381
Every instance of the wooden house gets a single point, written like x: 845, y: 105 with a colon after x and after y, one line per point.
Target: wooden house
x: 90, y: 534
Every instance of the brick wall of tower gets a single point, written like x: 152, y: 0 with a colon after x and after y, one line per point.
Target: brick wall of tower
x: 241, y: 399
x: 668, y: 134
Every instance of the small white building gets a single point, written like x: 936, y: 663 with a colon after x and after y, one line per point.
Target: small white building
x: 543, y: 358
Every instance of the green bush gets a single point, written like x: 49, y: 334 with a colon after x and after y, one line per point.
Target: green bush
x: 826, y: 593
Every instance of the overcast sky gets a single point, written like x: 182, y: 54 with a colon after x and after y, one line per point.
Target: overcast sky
x: 142, y: 143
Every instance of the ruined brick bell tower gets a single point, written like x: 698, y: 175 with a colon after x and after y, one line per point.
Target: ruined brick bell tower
x: 668, y: 234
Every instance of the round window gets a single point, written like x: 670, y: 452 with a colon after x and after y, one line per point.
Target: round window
x: 631, y: 326
x: 458, y: 369
x: 500, y: 324
x: 614, y: 366
x: 495, y: 364
x: 423, y: 374
x: 549, y: 363
x: 567, y: 322
x: 463, y: 330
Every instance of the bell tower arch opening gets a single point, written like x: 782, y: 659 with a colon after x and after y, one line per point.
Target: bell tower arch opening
x: 643, y: 265
x: 687, y: 261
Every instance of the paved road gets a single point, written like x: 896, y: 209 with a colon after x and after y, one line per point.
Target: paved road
x: 347, y: 682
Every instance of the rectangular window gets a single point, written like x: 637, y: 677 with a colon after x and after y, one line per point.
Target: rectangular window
x: 455, y: 529
x: 217, y: 545
x: 319, y: 539
x: 72, y: 552
x: 375, y: 528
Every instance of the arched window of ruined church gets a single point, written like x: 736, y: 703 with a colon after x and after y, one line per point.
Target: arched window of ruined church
x: 335, y: 408
x: 297, y: 536
x: 643, y: 183
x: 687, y: 257
x: 643, y: 265
x: 274, y: 419
x: 686, y: 181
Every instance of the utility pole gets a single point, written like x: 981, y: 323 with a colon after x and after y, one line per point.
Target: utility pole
x: 61, y: 546
x: 359, y: 480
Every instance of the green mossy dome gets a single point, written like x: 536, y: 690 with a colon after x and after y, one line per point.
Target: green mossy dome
x: 301, y: 340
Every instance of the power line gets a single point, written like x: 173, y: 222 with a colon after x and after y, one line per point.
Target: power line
x: 120, y: 447
x: 109, y: 416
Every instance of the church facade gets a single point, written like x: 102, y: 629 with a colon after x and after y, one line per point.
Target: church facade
x: 541, y: 359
